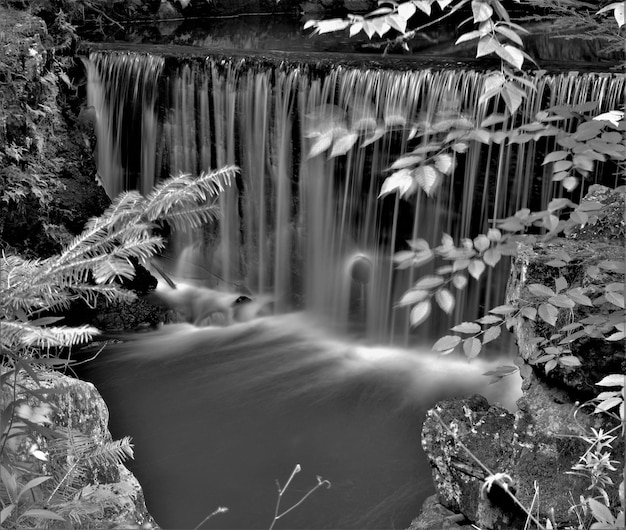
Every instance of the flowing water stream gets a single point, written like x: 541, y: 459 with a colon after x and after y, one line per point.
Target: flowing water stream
x: 340, y: 386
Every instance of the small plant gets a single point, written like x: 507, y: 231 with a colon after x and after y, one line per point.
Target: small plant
x: 277, y: 513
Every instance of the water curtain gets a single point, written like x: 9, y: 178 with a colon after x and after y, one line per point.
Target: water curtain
x: 311, y: 231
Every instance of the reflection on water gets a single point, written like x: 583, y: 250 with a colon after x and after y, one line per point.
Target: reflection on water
x: 218, y: 414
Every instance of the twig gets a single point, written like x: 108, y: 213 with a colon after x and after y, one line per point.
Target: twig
x: 320, y: 482
x: 220, y: 509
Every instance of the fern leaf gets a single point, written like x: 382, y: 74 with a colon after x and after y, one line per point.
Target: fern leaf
x: 114, y: 452
x: 183, y: 191
x: 56, y: 336
x: 192, y: 218
x: 112, y: 268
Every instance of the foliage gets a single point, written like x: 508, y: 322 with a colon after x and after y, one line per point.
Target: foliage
x: 87, y: 269
x: 578, y: 20
x: 564, y: 311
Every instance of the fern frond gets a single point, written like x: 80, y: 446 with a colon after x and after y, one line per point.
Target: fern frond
x: 141, y: 248
x: 184, y: 191
x: 113, y: 452
x: 16, y: 333
x: 112, y: 268
x: 110, y: 293
x: 192, y: 218
x: 214, y: 183
x: 55, y: 336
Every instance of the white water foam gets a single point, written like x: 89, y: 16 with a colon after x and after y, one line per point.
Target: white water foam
x: 290, y: 355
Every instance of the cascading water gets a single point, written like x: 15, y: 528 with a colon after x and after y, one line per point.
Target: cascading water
x: 219, y: 413
x: 303, y: 229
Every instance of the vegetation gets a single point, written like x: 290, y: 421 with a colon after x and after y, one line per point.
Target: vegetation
x: 564, y: 312
x: 88, y: 269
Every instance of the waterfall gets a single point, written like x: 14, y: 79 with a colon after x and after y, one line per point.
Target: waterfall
x: 311, y: 231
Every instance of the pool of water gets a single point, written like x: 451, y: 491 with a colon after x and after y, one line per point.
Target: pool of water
x: 219, y: 415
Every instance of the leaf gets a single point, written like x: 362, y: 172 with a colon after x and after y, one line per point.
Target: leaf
x: 343, y: 144
x: 444, y: 163
x: 481, y: 11
x: 503, y: 309
x: 466, y: 327
x: 491, y: 334
x: 569, y: 360
x: 577, y: 295
x: 447, y: 342
x: 355, y: 27
x: 608, y: 404
x: 381, y: 26
x: 489, y: 319
x: 555, y: 156
x: 471, y: 347
x: 511, y: 55
x: 330, y: 25
x: 492, y: 257
x: 550, y: 365
x: 406, y: 161
x: 406, y: 10
x: 445, y: 300
x: 468, y: 36
x: 429, y: 282
x: 401, y: 182
x: 570, y: 183
x: 41, y: 514
x: 612, y: 380
x: 615, y: 298
x: 600, y: 511
x: 459, y: 281
x: 561, y: 300
x: 548, y: 313
x: 428, y: 178
x: 513, y: 100
x: 476, y: 268
x: 423, y: 5
x: 420, y: 313
x: 486, y: 45
x: 321, y: 144
x: 481, y: 243
x: 6, y: 511
x: 412, y: 297
x: 560, y: 283
x: 539, y: 289
x: 529, y: 312
x: 509, y: 34
x: 9, y: 481
x: 397, y: 22
x: 32, y: 484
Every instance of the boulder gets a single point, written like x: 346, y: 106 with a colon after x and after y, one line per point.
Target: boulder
x: 90, y: 486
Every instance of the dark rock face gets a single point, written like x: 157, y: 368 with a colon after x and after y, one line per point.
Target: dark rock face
x: 537, y: 446
x: 47, y: 184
